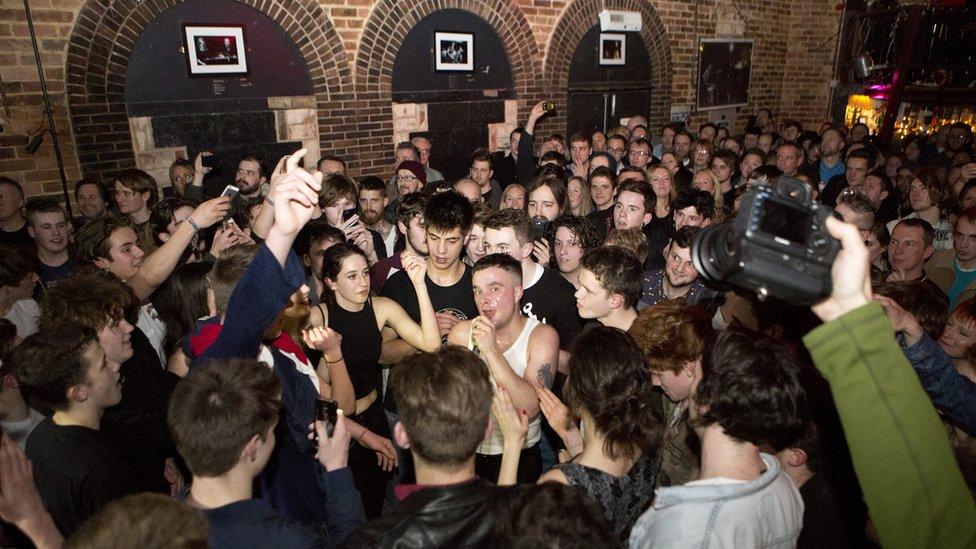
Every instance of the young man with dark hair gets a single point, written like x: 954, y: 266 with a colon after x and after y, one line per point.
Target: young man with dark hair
x: 482, y: 173
x: 18, y: 278
x: 617, y: 147
x: 93, y: 200
x: 13, y: 225
x: 521, y: 353
x: 372, y: 205
x: 693, y: 208
x: 136, y: 426
x: 545, y: 295
x: 411, y: 238
x: 678, y: 279
x: 311, y: 244
x: 831, y: 155
x: 445, y: 399
x: 251, y: 175
x: 749, y: 397
x: 506, y: 165
x: 223, y: 418
x: 634, y: 206
x: 640, y: 153
x: 48, y: 226
x: 856, y: 167
x: 76, y: 470
x: 603, y: 182
x: 707, y: 131
x: 610, y: 280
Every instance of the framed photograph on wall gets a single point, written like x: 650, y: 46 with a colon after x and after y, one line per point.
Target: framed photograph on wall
x: 724, y: 71
x: 215, y: 49
x: 613, y: 49
x: 454, y: 51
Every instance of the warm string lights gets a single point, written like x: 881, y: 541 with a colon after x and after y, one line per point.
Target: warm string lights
x: 927, y: 119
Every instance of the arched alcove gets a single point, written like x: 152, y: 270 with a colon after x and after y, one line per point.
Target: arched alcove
x: 600, y: 95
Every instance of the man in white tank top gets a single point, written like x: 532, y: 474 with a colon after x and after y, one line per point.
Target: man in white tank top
x: 521, y: 354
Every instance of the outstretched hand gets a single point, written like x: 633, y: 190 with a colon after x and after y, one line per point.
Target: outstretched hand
x: 901, y: 320
x: 851, y: 273
x: 295, y: 196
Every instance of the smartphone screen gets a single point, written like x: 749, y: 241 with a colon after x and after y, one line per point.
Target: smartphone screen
x: 327, y: 411
x: 230, y: 190
x: 348, y: 213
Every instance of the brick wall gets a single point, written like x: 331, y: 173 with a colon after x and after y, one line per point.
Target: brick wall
x: 350, y: 46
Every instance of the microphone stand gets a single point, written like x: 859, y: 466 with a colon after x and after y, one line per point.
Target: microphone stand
x: 49, y: 111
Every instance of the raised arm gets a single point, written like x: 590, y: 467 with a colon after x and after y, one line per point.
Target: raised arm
x: 425, y: 336
x: 525, y: 164
x: 892, y: 429
x: 520, y: 390
x: 157, y: 266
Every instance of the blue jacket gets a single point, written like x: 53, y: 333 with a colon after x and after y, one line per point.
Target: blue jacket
x: 951, y: 392
x: 288, y: 483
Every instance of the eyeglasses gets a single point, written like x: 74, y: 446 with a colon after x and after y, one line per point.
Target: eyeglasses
x: 408, y: 178
x: 639, y: 153
x: 617, y: 149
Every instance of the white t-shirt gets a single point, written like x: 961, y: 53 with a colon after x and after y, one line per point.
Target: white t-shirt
x: 24, y: 315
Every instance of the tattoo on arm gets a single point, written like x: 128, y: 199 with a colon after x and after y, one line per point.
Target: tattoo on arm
x: 545, y: 375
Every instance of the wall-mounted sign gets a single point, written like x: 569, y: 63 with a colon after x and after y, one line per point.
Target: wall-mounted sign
x: 215, y: 49
x: 454, y: 51
x: 613, y: 49
x: 724, y: 70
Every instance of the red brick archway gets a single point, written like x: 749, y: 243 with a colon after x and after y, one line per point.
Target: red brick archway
x: 98, y: 54
x: 383, y: 35
x: 579, y: 17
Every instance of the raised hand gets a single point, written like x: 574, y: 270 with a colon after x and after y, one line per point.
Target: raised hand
x: 557, y: 414
x: 295, y: 196
x: 901, y: 320
x: 540, y: 251
x: 324, y: 339
x: 483, y: 333
x: 225, y: 238
x: 333, y: 452
x: 415, y: 266
x: 198, y: 166
x: 851, y: 273
x: 514, y: 424
x: 211, y: 211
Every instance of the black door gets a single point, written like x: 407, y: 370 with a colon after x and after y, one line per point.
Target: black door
x: 590, y: 110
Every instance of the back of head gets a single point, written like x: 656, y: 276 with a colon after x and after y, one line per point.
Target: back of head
x: 610, y: 381
x: 444, y: 399
x: 50, y: 362
x: 447, y: 211
x: 90, y: 297
x: 142, y: 521
x: 618, y: 271
x: 929, y: 307
x: 218, y: 408
x: 633, y: 239
x: 16, y: 263
x: 751, y: 389
x: 554, y: 516
x: 672, y: 334
x: 228, y: 270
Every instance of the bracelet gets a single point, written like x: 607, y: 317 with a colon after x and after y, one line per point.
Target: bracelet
x: 327, y: 361
x: 196, y: 228
x: 359, y: 439
x: 268, y: 200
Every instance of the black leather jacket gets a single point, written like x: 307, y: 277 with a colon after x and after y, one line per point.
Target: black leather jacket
x: 459, y: 515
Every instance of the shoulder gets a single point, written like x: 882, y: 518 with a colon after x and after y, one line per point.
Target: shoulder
x: 543, y: 333
x: 554, y: 475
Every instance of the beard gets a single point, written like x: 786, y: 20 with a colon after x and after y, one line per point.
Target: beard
x: 371, y: 217
x: 245, y: 188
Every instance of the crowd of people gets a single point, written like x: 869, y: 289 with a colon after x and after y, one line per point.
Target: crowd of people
x: 524, y: 356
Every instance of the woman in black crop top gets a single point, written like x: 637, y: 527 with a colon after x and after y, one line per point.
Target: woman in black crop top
x: 348, y: 309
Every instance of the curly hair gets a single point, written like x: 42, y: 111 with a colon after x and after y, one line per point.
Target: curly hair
x: 617, y: 269
x: 672, y: 334
x: 608, y: 379
x: 90, y: 297
x: 752, y: 390
x: 581, y: 227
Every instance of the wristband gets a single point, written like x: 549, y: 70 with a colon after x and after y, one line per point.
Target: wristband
x: 327, y: 361
x: 196, y: 228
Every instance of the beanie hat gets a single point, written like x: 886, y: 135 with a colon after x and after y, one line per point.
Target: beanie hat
x: 416, y: 168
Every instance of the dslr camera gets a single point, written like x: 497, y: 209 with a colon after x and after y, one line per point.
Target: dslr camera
x: 777, y: 245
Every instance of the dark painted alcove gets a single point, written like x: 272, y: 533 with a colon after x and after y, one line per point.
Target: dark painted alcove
x: 225, y: 114
x: 599, y: 96
x: 460, y: 105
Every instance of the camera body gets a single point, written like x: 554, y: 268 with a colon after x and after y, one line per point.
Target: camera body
x: 777, y: 245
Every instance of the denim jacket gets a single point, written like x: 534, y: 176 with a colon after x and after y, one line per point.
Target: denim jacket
x: 765, y: 512
x: 951, y: 392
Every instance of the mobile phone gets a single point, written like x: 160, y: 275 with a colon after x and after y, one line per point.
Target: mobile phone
x: 230, y: 191
x: 540, y: 228
x: 348, y: 213
x: 230, y: 224
x: 209, y: 161
x: 327, y: 411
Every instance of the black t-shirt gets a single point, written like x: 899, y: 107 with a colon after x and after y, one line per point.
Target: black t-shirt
x: 77, y: 472
x: 48, y: 275
x: 20, y: 237
x: 551, y: 300
x: 658, y: 232
x: 136, y: 427
x: 378, y: 244
x: 457, y: 299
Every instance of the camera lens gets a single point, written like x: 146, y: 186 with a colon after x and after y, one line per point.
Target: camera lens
x: 714, y: 254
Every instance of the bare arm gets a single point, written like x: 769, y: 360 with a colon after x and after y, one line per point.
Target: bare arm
x: 332, y: 366
x: 158, y: 265
x: 543, y: 359
x: 425, y: 336
x: 514, y: 425
x: 521, y: 391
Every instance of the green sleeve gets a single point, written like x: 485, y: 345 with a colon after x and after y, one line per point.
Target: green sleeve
x: 913, y: 488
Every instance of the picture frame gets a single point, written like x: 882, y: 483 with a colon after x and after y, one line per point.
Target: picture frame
x: 613, y: 49
x: 724, y: 73
x: 215, y: 49
x: 453, y: 51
